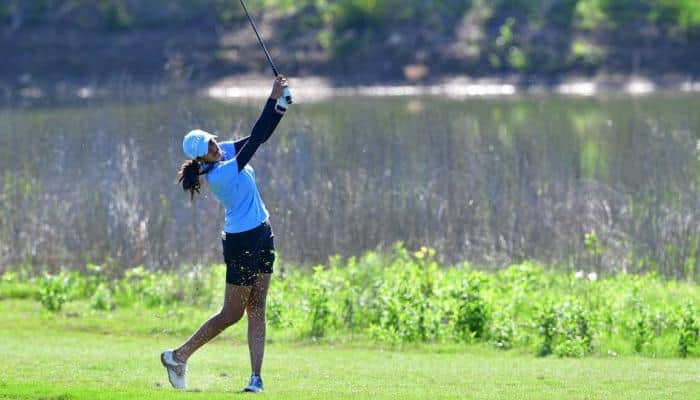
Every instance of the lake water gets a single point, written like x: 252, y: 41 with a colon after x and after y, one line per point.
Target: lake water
x: 606, y: 183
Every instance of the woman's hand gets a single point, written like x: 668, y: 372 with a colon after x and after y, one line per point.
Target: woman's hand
x: 278, y: 87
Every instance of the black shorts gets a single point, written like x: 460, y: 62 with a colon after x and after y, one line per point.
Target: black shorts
x: 248, y: 253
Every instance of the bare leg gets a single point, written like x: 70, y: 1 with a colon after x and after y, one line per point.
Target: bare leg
x: 256, y: 321
x: 235, y: 299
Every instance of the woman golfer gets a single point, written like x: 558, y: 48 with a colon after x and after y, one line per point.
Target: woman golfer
x: 247, y: 237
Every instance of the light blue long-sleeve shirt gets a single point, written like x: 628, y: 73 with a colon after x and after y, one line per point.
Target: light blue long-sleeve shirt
x: 237, y: 192
x: 232, y: 179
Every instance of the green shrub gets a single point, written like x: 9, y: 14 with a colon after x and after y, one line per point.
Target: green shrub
x: 689, y: 330
x: 102, y: 298
x: 410, y: 297
x: 589, y: 15
x: 153, y: 289
x: 547, y: 328
x: 502, y: 331
x: 276, y: 312
x: 641, y: 330
x: 574, y: 338
x: 54, y: 290
x: 318, y: 305
x: 409, y: 301
x: 471, y: 314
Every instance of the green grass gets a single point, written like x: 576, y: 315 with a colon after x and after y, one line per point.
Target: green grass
x: 115, y: 356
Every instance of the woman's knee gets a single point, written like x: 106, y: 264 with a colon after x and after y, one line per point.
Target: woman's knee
x: 256, y: 311
x: 229, y: 317
x: 235, y: 300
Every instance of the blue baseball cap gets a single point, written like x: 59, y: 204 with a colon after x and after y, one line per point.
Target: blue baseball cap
x: 196, y: 143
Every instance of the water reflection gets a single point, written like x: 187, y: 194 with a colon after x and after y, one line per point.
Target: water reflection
x: 493, y: 180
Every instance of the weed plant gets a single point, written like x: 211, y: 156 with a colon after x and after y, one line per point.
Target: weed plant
x: 408, y: 297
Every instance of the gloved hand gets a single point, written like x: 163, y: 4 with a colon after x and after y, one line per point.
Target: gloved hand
x: 281, y: 93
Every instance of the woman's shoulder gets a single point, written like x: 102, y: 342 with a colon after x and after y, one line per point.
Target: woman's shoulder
x: 228, y: 147
x: 226, y: 168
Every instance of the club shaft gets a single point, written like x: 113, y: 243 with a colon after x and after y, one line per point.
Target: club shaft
x: 262, y: 44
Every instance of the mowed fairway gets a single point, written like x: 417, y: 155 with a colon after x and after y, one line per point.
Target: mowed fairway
x: 45, y: 358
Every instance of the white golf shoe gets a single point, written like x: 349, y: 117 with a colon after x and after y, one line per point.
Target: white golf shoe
x: 176, y: 369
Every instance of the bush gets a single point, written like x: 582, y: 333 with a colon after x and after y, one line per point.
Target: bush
x: 503, y: 331
x: 102, y: 299
x: 318, y: 304
x: 574, y: 336
x: 54, y: 291
x: 689, y: 330
x: 409, y: 297
x: 641, y: 329
x: 471, y: 314
x: 409, y: 301
x: 547, y: 328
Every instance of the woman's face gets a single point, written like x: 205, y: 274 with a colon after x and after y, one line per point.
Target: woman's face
x: 214, y: 154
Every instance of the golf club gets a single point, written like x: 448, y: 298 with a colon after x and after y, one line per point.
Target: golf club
x: 287, y: 96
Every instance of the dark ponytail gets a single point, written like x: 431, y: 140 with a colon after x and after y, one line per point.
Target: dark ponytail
x: 189, y: 176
